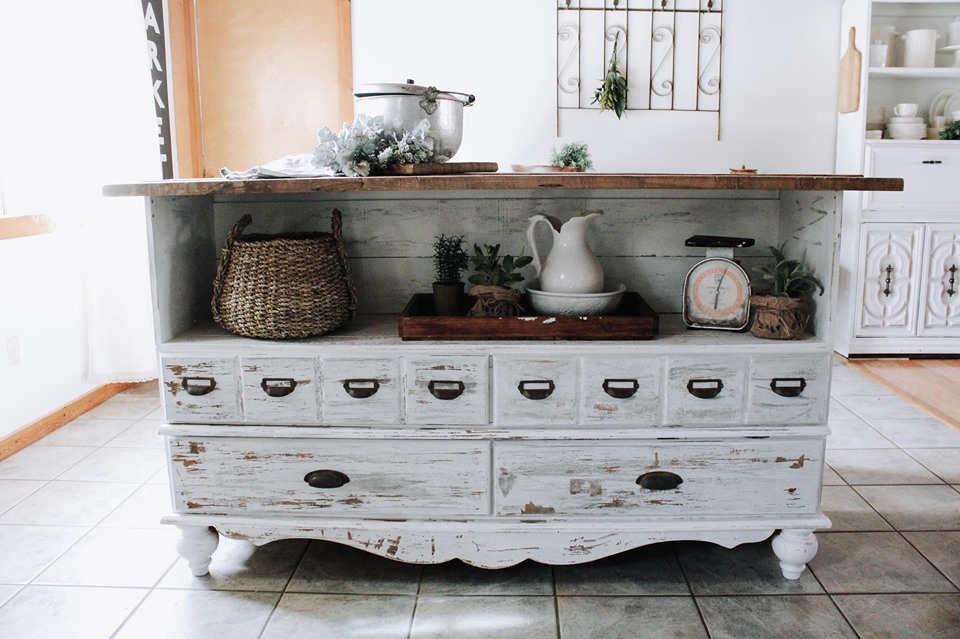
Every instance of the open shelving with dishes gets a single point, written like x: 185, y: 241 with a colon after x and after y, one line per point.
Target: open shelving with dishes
x: 556, y: 451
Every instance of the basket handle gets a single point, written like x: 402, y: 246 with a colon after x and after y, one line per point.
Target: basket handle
x: 224, y: 263
x: 336, y: 223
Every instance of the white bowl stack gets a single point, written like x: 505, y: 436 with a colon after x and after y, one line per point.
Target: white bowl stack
x: 906, y: 128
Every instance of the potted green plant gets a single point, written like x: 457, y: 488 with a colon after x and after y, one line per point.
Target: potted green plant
x: 573, y: 156
x: 450, y: 259
x: 779, y: 311
x: 951, y: 131
x: 493, y: 281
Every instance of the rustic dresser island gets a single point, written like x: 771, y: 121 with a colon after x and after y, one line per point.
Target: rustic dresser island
x: 556, y: 451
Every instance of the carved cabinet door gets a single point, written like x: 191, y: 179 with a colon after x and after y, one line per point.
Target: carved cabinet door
x: 940, y: 313
x: 889, y: 282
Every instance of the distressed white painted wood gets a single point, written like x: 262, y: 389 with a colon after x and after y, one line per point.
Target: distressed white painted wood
x: 232, y: 475
x: 361, y: 390
x: 788, y: 390
x: 753, y: 478
x: 535, y: 391
x: 940, y: 295
x: 890, y: 281
x: 279, y: 390
x: 706, y: 389
x: 446, y: 389
x: 620, y: 389
x: 795, y: 548
x: 197, y: 545
x: 200, y: 389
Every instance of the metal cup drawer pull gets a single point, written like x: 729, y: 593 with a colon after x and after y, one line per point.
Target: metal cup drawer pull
x: 326, y: 478
x: 361, y: 388
x: 536, y: 389
x: 788, y: 386
x: 621, y: 388
x: 198, y: 385
x: 278, y: 386
x: 704, y: 388
x: 659, y: 480
x: 445, y: 390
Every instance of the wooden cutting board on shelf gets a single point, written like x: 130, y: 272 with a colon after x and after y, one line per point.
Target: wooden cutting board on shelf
x: 440, y: 168
x: 850, y: 65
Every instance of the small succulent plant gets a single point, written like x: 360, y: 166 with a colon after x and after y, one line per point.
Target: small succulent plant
x: 786, y: 278
x: 494, y: 269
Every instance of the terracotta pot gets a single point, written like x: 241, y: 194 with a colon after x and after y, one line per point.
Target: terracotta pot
x: 777, y: 317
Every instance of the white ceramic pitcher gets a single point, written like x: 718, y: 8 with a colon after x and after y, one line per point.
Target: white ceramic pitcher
x: 571, y: 267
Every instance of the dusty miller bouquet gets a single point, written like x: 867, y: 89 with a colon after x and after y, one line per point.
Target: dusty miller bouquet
x: 367, y: 146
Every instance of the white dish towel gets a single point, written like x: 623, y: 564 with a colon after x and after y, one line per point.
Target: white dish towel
x: 298, y: 165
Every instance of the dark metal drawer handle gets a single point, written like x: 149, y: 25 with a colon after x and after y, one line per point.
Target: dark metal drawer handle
x: 932, y: 162
x: 788, y: 386
x: 536, y: 389
x: 621, y: 388
x: 326, y: 478
x: 361, y: 388
x: 278, y: 386
x: 887, y: 280
x: 198, y: 385
x: 704, y: 388
x: 659, y: 480
x: 953, y: 280
x: 445, y: 390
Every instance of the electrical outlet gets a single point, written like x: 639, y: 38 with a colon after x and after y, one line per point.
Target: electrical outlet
x: 13, y: 351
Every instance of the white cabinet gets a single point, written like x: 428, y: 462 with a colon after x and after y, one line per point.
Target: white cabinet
x: 939, y: 294
x: 495, y: 451
x: 889, y: 290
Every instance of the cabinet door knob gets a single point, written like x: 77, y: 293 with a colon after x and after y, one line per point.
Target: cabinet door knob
x: 659, y: 480
x: 621, y: 388
x: 788, y: 386
x: 445, y: 390
x: 198, y: 385
x: 361, y: 388
x: 704, y: 388
x: 536, y: 389
x: 278, y: 386
x: 326, y: 478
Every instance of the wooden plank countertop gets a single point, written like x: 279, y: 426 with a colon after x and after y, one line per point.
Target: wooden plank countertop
x: 506, y: 181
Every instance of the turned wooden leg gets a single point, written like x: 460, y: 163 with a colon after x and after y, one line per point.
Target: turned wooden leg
x: 197, y: 546
x: 795, y: 548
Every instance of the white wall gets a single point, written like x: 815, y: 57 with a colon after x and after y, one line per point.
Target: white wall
x: 779, y: 93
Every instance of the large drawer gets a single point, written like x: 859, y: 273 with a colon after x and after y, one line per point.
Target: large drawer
x: 929, y: 175
x: 229, y: 475
x: 200, y: 389
x: 742, y: 476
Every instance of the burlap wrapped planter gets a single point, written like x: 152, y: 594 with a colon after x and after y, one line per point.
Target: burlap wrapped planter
x: 776, y: 317
x: 283, y: 286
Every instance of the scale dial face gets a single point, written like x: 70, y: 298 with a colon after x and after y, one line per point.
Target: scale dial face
x: 716, y: 294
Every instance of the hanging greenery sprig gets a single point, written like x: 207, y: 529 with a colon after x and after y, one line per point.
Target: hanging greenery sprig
x: 612, y: 94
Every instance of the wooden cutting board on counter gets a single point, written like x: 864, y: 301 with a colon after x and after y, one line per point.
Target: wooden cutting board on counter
x: 850, y: 65
x: 440, y: 168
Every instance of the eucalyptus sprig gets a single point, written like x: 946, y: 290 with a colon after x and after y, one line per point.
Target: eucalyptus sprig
x: 612, y: 94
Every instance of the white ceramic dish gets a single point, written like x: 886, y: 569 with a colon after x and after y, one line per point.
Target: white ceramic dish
x: 604, y: 303
x: 907, y: 131
x: 899, y: 119
x: 952, y: 105
x: 939, y: 101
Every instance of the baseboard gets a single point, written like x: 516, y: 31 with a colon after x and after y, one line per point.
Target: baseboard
x: 48, y: 423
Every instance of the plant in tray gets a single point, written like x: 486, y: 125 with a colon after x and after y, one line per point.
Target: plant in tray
x: 492, y: 283
x: 450, y: 259
x: 573, y: 155
x: 778, y: 312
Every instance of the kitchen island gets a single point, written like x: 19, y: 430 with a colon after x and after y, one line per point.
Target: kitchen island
x: 694, y: 435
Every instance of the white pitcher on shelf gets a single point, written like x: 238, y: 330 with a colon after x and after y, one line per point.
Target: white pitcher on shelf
x: 571, y: 267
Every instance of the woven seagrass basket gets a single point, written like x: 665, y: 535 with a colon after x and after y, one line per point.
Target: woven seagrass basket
x: 283, y: 286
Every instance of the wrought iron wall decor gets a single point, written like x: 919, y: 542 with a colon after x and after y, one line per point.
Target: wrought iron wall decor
x: 669, y: 51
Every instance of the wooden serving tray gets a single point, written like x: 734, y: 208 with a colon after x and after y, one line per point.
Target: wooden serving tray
x: 442, y: 168
x: 633, y: 320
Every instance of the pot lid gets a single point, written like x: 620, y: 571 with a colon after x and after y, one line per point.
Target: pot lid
x: 409, y: 88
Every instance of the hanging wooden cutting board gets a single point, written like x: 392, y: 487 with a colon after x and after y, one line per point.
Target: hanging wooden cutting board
x: 850, y: 65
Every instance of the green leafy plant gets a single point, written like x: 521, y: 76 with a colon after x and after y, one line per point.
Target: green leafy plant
x: 574, y: 154
x: 494, y: 269
x: 612, y: 94
x: 449, y: 258
x: 786, y: 278
x: 951, y: 131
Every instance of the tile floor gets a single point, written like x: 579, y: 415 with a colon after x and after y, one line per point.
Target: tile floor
x: 82, y: 555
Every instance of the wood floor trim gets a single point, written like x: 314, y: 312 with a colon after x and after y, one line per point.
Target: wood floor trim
x: 48, y: 423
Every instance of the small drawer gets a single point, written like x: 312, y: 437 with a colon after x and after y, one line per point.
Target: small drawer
x: 360, y: 390
x: 620, y: 390
x: 311, y: 477
x: 701, y: 390
x: 279, y: 390
x: 654, y: 479
x: 788, y: 391
x: 446, y: 390
x: 535, y: 391
x: 929, y: 176
x: 200, y: 390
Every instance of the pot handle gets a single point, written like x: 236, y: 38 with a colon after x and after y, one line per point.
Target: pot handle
x: 466, y: 98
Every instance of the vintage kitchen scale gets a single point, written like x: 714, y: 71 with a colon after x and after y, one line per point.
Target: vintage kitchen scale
x: 716, y: 291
